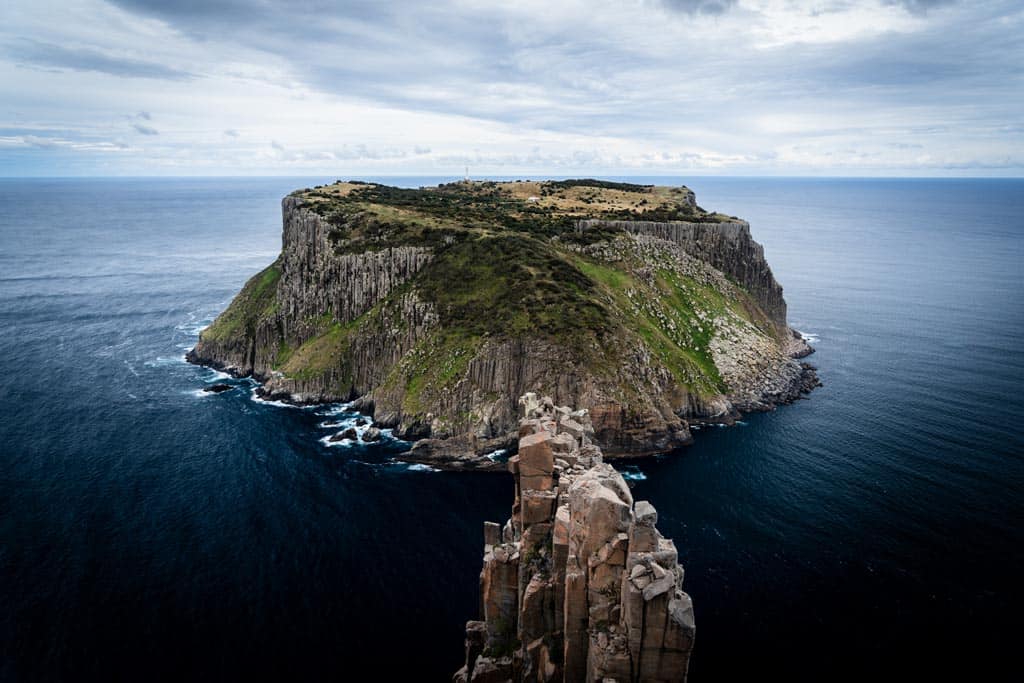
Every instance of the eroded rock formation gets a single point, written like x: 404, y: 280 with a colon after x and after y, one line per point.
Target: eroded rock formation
x: 578, y: 585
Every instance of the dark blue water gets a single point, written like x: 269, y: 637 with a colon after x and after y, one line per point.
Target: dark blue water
x: 147, y: 531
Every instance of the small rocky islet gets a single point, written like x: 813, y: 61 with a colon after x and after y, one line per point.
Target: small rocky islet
x: 434, y: 309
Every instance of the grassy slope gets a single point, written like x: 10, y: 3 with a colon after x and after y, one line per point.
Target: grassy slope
x: 256, y: 302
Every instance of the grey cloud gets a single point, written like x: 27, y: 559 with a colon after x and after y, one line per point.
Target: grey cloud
x: 145, y: 130
x: 145, y: 115
x: 712, y: 7
x: 277, y: 145
x: 231, y: 133
x: 919, y: 6
x: 89, y: 59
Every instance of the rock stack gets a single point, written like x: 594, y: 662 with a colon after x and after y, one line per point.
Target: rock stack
x: 578, y: 585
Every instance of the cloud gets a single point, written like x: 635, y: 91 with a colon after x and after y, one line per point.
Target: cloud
x: 89, y: 59
x: 56, y: 143
x: 402, y: 86
x: 712, y: 7
x: 919, y: 6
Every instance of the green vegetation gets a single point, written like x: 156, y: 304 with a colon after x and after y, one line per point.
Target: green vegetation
x: 319, y: 354
x: 666, y: 314
x: 368, y: 216
x: 256, y: 302
x: 432, y: 367
x: 604, y: 184
x: 510, y: 284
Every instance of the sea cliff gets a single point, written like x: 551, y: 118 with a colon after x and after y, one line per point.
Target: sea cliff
x: 433, y: 309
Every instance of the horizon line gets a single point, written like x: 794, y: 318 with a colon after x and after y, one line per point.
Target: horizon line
x: 541, y: 176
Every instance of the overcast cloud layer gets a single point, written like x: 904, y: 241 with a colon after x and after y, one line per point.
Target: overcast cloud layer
x: 834, y: 87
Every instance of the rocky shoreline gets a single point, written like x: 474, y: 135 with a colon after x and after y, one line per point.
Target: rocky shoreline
x: 459, y: 454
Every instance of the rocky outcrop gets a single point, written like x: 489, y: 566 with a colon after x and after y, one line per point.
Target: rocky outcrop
x: 727, y: 246
x: 578, y: 585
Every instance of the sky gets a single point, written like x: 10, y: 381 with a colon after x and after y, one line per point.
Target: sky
x: 552, y: 87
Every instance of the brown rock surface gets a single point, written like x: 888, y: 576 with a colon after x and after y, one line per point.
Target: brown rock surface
x: 583, y: 588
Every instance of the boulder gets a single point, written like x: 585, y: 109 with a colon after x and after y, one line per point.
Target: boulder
x: 349, y: 434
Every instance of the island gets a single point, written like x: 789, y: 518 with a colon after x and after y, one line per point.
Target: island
x: 433, y: 309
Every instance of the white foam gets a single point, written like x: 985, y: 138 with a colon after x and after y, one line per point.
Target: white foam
x: 494, y: 455
x: 263, y: 401
x: 217, y: 374
x: 276, y: 404
x: 809, y: 337
x: 333, y: 409
x: 420, y: 467
x: 633, y: 473
x: 331, y: 444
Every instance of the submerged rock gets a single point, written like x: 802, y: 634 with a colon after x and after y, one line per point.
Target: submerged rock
x: 218, y: 388
x: 371, y: 434
x: 349, y: 434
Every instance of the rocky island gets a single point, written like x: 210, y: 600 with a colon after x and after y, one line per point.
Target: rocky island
x: 434, y: 309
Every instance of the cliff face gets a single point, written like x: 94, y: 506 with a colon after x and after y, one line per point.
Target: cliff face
x: 316, y: 281
x: 434, y: 308
x: 578, y: 584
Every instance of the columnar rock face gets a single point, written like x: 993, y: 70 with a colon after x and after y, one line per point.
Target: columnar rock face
x: 316, y: 281
x: 727, y: 246
x: 578, y: 585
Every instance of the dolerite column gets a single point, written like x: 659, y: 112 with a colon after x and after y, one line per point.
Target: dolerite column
x: 536, y: 463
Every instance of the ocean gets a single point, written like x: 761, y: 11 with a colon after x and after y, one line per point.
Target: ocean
x: 149, y: 530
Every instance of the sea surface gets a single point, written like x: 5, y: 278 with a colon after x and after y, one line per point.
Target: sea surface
x: 151, y: 531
